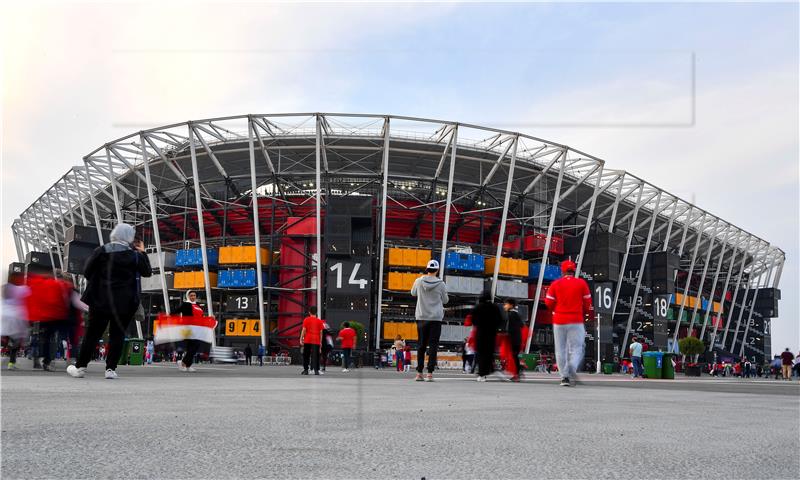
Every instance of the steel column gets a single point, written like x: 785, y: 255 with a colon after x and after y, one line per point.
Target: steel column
x: 318, y: 186
x: 546, y: 252
x: 200, y: 227
x: 117, y: 206
x: 624, y: 265
x: 688, y: 283
x: 154, y: 220
x: 713, y: 341
x: 381, y: 249
x: 448, y: 201
x: 699, y: 298
x: 589, y: 218
x: 257, y: 232
x: 743, y: 305
x: 752, y: 307
x: 736, y: 289
x: 656, y: 212
x: 504, y: 217
x: 714, y: 284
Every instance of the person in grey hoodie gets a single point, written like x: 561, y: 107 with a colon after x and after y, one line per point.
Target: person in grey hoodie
x: 431, y: 294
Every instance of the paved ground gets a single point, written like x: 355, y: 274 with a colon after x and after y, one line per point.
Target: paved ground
x: 251, y: 422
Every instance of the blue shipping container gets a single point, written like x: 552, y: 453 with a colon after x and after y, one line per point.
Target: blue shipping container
x: 551, y: 272
x: 241, y: 278
x: 465, y: 262
x: 193, y: 257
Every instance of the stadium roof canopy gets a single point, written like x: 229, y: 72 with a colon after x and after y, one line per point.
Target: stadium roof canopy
x: 113, y: 182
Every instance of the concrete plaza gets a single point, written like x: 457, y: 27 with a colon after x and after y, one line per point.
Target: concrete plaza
x: 270, y: 422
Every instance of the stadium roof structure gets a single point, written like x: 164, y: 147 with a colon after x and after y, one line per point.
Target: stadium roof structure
x: 178, y: 174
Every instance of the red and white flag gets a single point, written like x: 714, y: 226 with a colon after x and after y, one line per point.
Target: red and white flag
x: 175, y: 328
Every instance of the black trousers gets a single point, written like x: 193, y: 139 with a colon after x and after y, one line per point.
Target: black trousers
x: 190, y: 351
x: 326, y: 351
x: 49, y: 332
x: 311, y: 352
x: 98, y: 321
x: 485, y: 346
x: 346, y: 361
x: 429, y: 333
x: 516, y: 346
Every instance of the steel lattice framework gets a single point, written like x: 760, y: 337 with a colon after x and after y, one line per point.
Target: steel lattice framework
x: 194, y: 170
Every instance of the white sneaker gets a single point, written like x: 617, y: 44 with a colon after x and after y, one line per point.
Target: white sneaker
x: 481, y: 379
x: 322, y: 372
x: 182, y: 367
x: 110, y: 374
x: 344, y: 370
x: 76, y: 372
x: 191, y: 369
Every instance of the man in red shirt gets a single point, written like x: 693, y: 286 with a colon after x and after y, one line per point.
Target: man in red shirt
x: 310, y: 340
x: 786, y: 364
x: 571, y: 302
x: 348, y: 338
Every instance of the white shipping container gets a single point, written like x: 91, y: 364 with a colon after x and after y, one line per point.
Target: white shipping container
x: 510, y: 288
x: 464, y: 285
x: 168, y: 257
x: 153, y: 282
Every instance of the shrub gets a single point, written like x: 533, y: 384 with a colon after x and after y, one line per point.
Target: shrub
x: 691, y: 346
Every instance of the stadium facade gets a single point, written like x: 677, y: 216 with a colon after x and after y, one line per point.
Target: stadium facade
x: 240, y: 209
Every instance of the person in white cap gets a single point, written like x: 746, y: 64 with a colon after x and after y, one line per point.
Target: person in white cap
x: 431, y: 296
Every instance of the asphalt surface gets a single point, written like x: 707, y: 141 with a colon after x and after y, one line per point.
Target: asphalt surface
x: 269, y: 422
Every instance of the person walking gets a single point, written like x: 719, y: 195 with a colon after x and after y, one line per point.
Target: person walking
x: 514, y: 329
x: 486, y: 318
x: 14, y: 318
x: 261, y: 352
x: 310, y: 340
x: 399, y: 346
x: 786, y: 364
x: 248, y: 355
x: 571, y: 303
x: 150, y: 350
x: 49, y: 306
x: 635, y: 351
x: 347, y: 336
x: 431, y: 294
x: 326, y: 347
x: 112, y: 294
x: 189, y: 308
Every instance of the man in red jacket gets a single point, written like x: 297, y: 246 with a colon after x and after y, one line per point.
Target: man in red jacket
x: 48, y: 306
x: 571, y: 302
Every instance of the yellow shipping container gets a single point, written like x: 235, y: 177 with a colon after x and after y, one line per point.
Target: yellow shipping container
x: 409, y: 257
x: 395, y: 257
x: 423, y: 257
x: 395, y: 281
x: 228, y: 255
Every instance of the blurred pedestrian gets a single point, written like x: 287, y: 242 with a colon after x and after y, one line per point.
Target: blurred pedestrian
x: 150, y: 349
x: 407, y: 358
x: 635, y: 351
x: 347, y: 336
x: 248, y: 355
x: 487, y: 318
x: 310, y: 340
x: 514, y: 328
x: 786, y: 364
x: 571, y: 303
x: 326, y: 346
x: 112, y: 294
x: 14, y: 319
x: 49, y: 306
x: 431, y: 294
x: 399, y: 347
x: 261, y: 352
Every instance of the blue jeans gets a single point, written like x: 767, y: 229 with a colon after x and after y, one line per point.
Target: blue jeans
x: 569, y: 345
x: 637, y: 366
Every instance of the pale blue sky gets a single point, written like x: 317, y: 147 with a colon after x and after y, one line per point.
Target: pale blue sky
x: 613, y: 80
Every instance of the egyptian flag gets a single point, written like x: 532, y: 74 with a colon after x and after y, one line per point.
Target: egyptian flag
x: 176, y: 328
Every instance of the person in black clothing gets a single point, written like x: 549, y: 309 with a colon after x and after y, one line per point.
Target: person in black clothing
x: 487, y: 318
x: 327, y: 346
x: 112, y: 294
x: 514, y: 328
x: 189, y: 308
x: 248, y: 355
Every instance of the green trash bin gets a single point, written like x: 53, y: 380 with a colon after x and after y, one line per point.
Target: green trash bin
x: 653, y: 362
x: 136, y: 351
x: 667, y: 369
x: 530, y: 360
x: 608, y: 368
x: 126, y: 352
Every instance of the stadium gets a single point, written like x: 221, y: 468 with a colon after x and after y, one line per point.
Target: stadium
x: 267, y: 215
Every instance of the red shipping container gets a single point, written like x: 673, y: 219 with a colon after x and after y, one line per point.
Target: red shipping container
x: 535, y: 243
x: 543, y: 317
x: 301, y: 226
